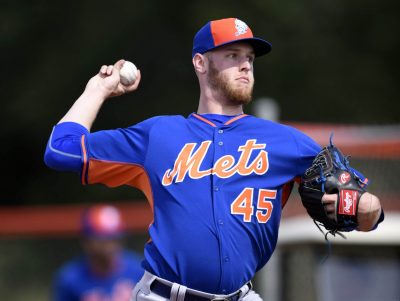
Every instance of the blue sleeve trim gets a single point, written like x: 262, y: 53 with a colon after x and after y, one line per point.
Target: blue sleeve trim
x: 63, y: 151
x: 72, y: 155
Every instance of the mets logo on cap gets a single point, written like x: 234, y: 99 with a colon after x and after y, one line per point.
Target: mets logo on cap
x: 241, y: 27
x: 226, y: 31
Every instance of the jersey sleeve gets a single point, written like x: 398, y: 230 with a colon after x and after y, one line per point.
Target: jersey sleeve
x: 307, y: 149
x: 116, y: 157
x: 112, y: 157
x: 63, y: 150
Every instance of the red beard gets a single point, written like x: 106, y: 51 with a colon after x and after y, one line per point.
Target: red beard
x: 235, y: 95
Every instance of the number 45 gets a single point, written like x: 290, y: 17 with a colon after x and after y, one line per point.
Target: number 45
x: 243, y: 204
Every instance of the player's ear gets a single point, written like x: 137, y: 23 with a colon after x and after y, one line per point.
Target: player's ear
x: 199, y: 63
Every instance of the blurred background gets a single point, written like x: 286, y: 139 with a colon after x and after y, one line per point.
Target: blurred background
x: 334, y: 66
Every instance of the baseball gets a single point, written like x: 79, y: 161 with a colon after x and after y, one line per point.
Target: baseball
x: 128, y: 73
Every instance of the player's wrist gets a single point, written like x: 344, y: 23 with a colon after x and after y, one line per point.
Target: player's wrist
x: 96, y: 94
x: 99, y: 89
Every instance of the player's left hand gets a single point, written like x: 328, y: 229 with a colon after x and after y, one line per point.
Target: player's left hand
x: 368, y: 213
x: 331, y: 190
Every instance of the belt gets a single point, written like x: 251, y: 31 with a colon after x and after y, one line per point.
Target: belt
x: 164, y: 290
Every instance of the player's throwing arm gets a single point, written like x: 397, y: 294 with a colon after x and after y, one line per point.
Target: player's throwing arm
x: 107, y: 83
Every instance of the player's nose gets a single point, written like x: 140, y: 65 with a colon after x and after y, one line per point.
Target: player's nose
x: 245, y: 65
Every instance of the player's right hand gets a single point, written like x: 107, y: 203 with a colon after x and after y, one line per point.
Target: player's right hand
x: 107, y: 81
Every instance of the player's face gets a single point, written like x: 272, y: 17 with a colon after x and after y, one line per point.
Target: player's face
x: 230, y: 72
x: 102, y: 248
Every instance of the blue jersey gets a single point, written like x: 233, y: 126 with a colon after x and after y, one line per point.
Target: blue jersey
x: 76, y: 282
x: 216, y: 185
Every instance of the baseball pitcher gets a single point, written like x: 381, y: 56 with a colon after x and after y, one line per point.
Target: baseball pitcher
x: 216, y: 180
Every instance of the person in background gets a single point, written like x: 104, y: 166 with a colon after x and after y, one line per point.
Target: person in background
x: 105, y: 271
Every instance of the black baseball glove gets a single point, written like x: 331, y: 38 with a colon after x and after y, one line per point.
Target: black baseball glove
x: 330, y: 172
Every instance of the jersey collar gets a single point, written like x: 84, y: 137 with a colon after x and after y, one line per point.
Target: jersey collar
x: 209, y: 122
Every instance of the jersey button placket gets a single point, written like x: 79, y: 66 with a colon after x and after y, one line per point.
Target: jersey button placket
x: 218, y: 144
x: 220, y: 132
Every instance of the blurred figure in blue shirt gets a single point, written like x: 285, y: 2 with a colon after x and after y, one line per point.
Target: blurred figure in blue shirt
x: 105, y: 271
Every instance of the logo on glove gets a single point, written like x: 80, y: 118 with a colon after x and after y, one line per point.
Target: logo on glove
x: 344, y: 177
x: 347, y: 202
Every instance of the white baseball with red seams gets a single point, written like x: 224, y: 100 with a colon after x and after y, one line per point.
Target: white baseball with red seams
x: 128, y: 73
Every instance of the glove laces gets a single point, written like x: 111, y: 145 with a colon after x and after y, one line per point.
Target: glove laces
x: 322, y: 178
x: 332, y: 232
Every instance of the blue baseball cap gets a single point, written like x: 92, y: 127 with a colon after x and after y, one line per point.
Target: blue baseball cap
x: 226, y: 31
x: 103, y: 222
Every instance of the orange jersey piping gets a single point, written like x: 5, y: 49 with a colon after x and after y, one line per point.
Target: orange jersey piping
x: 85, y: 163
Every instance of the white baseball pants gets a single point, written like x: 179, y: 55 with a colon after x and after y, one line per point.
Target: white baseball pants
x: 142, y: 291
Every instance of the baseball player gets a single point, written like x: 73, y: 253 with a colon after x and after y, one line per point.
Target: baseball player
x: 216, y: 180
x: 105, y: 271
